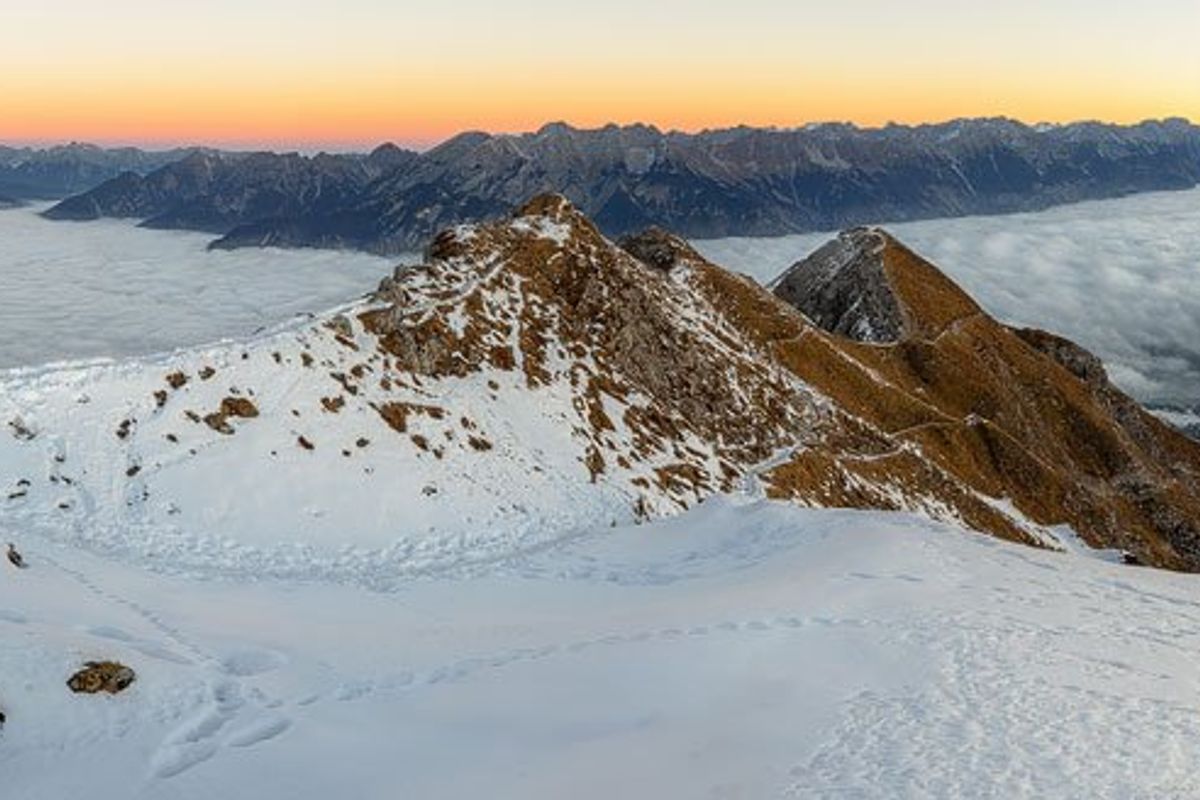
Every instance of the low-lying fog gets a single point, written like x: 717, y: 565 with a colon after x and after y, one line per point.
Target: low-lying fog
x: 71, y: 290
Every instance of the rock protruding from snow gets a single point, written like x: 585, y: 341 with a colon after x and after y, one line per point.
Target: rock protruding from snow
x: 110, y: 677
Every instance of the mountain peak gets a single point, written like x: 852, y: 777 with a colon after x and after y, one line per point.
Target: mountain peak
x: 533, y: 369
x: 867, y: 286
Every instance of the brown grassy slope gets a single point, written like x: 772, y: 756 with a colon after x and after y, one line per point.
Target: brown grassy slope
x: 712, y: 378
x: 1004, y: 412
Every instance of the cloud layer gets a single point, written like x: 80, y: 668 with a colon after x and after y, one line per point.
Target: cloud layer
x: 108, y: 288
x: 1120, y: 277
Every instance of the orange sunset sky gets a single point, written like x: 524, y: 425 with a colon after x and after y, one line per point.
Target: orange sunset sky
x: 351, y: 74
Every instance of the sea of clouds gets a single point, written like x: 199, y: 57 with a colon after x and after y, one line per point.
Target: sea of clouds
x: 1120, y: 277
x: 75, y: 290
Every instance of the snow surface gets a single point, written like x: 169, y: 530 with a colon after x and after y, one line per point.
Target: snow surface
x: 109, y: 288
x: 379, y: 621
x: 110, y: 458
x: 1117, y: 276
x: 745, y: 649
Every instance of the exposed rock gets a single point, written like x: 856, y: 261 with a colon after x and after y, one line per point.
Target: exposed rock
x: 341, y: 325
x: 713, y: 381
x: 239, y: 407
x: 863, y: 285
x: 659, y: 249
x: 1079, y: 362
x: 101, y: 676
x: 231, y: 407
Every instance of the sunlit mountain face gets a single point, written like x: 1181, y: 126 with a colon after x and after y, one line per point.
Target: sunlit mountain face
x: 539, y: 400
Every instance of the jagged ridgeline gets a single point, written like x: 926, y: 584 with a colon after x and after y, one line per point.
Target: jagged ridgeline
x: 534, y: 375
x: 738, y: 182
x: 867, y: 379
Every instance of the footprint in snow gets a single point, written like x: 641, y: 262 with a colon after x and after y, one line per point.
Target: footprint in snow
x: 260, y: 731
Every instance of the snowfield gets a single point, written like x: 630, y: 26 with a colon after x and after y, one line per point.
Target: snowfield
x: 378, y: 621
x: 745, y: 649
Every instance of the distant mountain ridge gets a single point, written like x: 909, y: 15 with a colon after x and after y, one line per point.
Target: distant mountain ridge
x: 218, y: 192
x: 53, y: 173
x: 735, y: 182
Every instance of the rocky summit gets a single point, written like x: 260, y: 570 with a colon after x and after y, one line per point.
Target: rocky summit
x: 867, y: 379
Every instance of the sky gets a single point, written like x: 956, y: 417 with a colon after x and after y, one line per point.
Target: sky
x: 354, y: 73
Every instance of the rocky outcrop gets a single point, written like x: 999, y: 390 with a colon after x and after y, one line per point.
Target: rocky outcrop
x: 109, y: 677
x: 843, y: 288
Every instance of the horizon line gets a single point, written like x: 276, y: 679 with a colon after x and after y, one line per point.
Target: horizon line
x: 362, y: 146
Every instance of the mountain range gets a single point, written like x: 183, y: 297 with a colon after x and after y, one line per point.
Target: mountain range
x: 28, y: 173
x: 736, y: 182
x: 534, y: 376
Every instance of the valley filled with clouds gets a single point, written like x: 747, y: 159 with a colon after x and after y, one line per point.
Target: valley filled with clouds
x: 111, y: 289
x: 1117, y: 276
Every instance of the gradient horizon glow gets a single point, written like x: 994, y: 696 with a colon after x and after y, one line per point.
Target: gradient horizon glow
x: 351, y: 74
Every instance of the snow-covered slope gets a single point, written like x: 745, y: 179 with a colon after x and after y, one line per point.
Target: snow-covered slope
x: 535, y: 379
x: 744, y: 649
x: 423, y: 546
x: 316, y: 484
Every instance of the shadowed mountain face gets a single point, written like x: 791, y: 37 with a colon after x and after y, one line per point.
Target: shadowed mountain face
x: 31, y: 174
x: 219, y: 192
x: 743, y: 181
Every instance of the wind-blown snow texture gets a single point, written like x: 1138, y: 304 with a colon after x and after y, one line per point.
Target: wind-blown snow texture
x: 111, y: 289
x: 745, y: 649
x: 1117, y: 276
